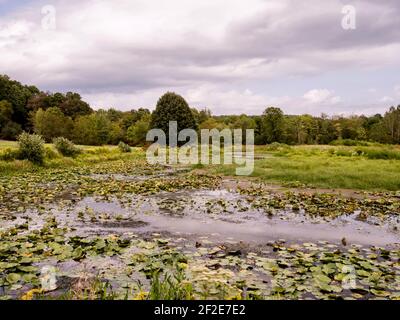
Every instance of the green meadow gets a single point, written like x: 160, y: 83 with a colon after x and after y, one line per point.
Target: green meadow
x: 375, y: 168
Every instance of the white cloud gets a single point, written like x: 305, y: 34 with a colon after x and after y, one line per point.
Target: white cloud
x: 232, y: 101
x: 222, y: 101
x: 386, y: 99
x: 13, y: 29
x: 217, y: 98
x: 321, y: 96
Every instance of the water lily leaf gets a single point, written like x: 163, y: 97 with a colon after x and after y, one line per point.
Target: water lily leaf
x: 329, y: 268
x: 366, y: 265
x: 322, y: 278
x: 78, y: 254
x: 29, y: 277
x: 28, y: 269
x: 362, y: 273
x: 270, y: 266
x: 7, y: 265
x: 13, y: 278
x: 100, y: 244
x: 26, y: 260
x: 329, y: 288
x: 380, y: 293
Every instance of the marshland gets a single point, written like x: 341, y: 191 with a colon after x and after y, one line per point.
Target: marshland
x: 311, y: 222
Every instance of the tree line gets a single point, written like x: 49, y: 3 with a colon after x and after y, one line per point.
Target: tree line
x: 52, y: 115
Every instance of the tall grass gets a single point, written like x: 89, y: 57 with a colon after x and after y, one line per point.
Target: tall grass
x: 89, y: 155
x: 363, y: 168
x: 170, y: 287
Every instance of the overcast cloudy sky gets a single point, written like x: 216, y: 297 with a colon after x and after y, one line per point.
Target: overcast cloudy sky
x: 233, y: 56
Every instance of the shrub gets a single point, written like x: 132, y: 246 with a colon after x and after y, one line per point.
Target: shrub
x: 123, y: 147
x: 31, y: 147
x: 65, y: 147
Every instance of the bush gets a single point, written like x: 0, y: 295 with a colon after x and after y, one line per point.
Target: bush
x: 31, y: 147
x: 65, y: 147
x: 123, y: 147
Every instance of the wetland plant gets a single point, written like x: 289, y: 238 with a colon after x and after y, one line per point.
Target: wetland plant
x: 123, y: 147
x: 170, y: 286
x: 31, y: 147
x: 65, y: 147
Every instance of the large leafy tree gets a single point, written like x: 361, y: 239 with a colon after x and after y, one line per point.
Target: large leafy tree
x: 93, y: 129
x: 136, y: 133
x: 201, y: 116
x: 8, y: 128
x: 172, y: 107
x: 6, y: 111
x: 273, y: 125
x: 52, y: 123
x: 131, y: 117
x: 18, y: 95
x: 73, y: 106
x: 244, y: 122
x: 391, y: 121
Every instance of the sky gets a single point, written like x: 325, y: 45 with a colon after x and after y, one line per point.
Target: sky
x: 231, y: 56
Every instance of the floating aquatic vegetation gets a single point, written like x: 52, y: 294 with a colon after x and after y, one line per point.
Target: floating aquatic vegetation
x: 45, y: 219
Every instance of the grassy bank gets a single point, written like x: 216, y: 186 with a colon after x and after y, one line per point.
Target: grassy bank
x: 364, y: 168
x: 370, y: 168
x: 89, y: 155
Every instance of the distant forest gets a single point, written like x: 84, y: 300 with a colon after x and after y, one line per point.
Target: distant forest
x: 26, y: 108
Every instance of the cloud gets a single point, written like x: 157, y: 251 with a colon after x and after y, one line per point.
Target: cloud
x: 215, y: 97
x: 127, y: 52
x: 223, y: 101
x: 386, y: 99
x: 397, y: 90
x: 14, y: 30
x: 321, y: 96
